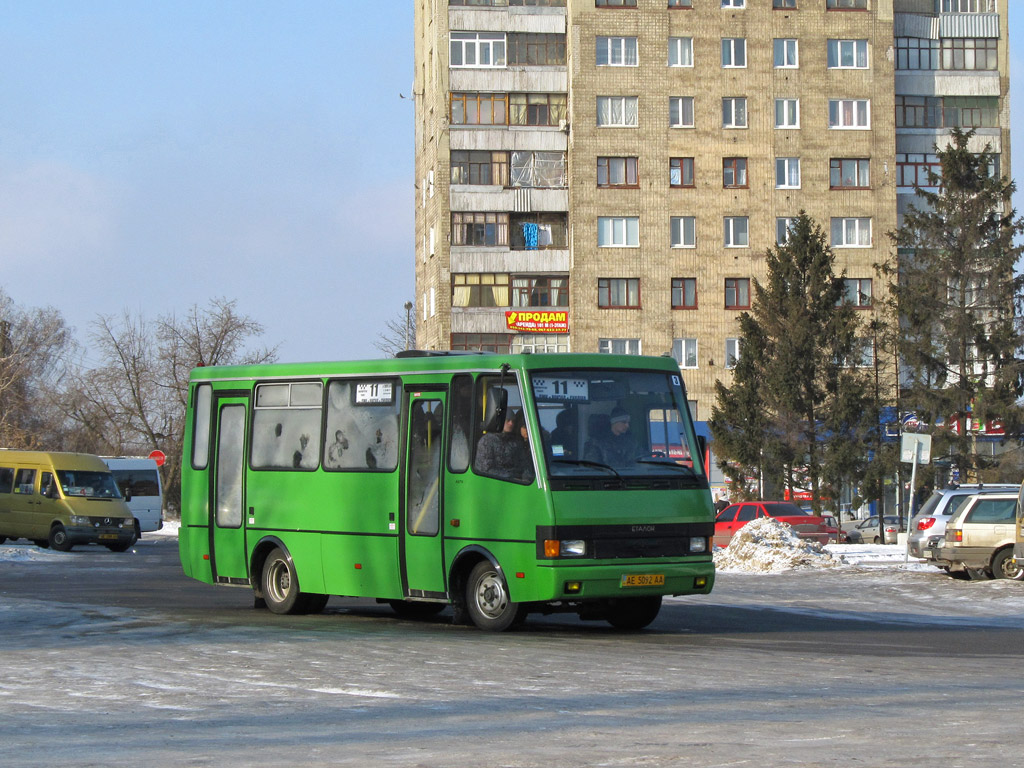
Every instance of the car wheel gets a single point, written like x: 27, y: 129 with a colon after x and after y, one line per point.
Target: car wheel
x: 487, y: 599
x: 877, y: 540
x: 634, y: 612
x: 1003, y: 566
x: 59, y: 539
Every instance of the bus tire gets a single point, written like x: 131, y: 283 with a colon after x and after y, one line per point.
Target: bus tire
x: 59, y: 539
x: 487, y: 600
x: 312, y: 603
x: 634, y: 612
x: 280, y: 584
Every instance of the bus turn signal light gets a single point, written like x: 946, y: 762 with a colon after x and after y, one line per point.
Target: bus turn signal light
x: 551, y: 547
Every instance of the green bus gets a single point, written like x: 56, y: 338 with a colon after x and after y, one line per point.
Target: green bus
x: 498, y: 484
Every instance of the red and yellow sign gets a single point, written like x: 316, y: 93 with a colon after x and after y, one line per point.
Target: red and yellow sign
x: 547, y: 321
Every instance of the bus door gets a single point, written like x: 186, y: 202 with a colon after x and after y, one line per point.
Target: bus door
x: 228, y: 559
x: 422, y: 555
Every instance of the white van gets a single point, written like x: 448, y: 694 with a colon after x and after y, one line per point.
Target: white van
x: 139, y: 481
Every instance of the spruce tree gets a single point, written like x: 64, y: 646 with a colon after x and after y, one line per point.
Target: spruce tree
x: 959, y: 301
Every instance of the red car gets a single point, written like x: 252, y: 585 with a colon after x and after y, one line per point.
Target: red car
x: 735, y: 516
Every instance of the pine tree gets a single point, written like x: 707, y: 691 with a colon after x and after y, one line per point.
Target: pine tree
x: 959, y: 300
x: 804, y: 382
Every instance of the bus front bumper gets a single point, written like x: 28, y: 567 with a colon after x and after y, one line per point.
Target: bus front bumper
x: 571, y: 581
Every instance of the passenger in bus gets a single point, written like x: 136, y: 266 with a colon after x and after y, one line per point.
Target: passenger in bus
x: 336, y: 449
x: 505, y: 454
x: 564, y: 435
x: 616, y: 446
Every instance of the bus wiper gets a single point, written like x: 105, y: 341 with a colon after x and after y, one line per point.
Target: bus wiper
x: 666, y: 463
x: 588, y: 463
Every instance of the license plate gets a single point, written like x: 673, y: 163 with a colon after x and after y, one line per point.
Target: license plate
x: 642, y: 580
x: 108, y: 535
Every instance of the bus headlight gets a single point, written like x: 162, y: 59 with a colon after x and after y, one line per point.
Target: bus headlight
x: 698, y: 544
x: 79, y: 520
x: 573, y: 548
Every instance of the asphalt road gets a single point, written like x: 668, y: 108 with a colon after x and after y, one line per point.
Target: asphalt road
x: 118, y: 659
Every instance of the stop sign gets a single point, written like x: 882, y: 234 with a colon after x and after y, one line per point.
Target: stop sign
x: 159, y: 457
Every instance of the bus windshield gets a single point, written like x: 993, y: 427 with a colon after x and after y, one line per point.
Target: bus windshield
x: 87, y: 483
x: 615, y: 422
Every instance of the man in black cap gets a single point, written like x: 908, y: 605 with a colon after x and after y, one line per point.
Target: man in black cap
x: 618, y: 447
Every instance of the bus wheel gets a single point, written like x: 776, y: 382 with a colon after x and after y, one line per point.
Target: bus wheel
x: 59, y: 539
x: 280, y: 585
x: 634, y: 612
x: 416, y: 611
x: 487, y: 599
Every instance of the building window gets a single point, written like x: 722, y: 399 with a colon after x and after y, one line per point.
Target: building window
x: 680, y: 112
x: 861, y: 356
x: 783, y: 226
x: 734, y: 52
x: 857, y: 292
x: 618, y: 231
x: 540, y: 291
x: 734, y: 112
x: 479, y: 228
x: 616, y: 172
x: 917, y: 170
x: 479, y: 167
x: 947, y: 111
x: 685, y: 352
x: 737, y: 293
x: 684, y: 231
x: 680, y: 3
x: 617, y: 111
x: 734, y: 3
x: 680, y: 172
x: 786, y: 53
x: 784, y: 4
x: 684, y: 293
x: 847, y: 54
x: 618, y: 293
x: 849, y: 173
x: 968, y: 6
x: 787, y: 173
x: 849, y: 114
x: 846, y: 5
x: 618, y: 346
x: 952, y: 53
x: 538, y: 170
x: 851, y: 233
x: 734, y: 172
x: 732, y: 352
x: 917, y: 53
x: 540, y: 343
x: 736, y: 232
x: 536, y: 49
x: 617, y: 52
x: 481, y: 342
x: 615, y: 3
x: 480, y: 290
x: 787, y: 113
x: 478, y: 109
x: 538, y: 231
x: 536, y: 108
x: 680, y: 51
x: 476, y: 49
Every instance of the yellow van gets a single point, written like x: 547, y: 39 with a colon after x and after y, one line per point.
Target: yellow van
x: 62, y: 499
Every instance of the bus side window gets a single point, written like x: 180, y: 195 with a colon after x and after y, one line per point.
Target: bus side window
x: 461, y: 414
x: 362, y: 425
x: 6, y: 479
x: 25, y: 482
x: 286, y: 426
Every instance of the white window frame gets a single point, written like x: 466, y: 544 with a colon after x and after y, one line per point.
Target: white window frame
x: 837, y: 48
x: 734, y: 49
x: 624, y: 108
x: 735, y: 236
x: 684, y: 351
x: 787, y: 173
x: 849, y: 232
x: 968, y: 6
x: 730, y: 113
x: 790, y: 50
x: 538, y: 343
x: 680, y: 51
x: 677, y: 112
x: 783, y: 225
x: 732, y: 353
x: 734, y: 3
x: 618, y: 231
x: 478, y: 42
x: 625, y: 346
x: 683, y: 231
x: 619, y: 51
x: 861, y: 114
x: 789, y: 112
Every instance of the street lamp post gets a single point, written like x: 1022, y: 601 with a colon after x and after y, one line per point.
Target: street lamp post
x: 408, y: 310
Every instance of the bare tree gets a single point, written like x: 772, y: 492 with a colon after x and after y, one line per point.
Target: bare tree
x: 399, y: 333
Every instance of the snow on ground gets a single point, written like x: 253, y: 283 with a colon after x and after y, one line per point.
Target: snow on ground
x: 769, y: 546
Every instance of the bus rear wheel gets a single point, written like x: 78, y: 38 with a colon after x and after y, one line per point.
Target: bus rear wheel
x: 634, y: 612
x: 280, y: 584
x: 487, y: 600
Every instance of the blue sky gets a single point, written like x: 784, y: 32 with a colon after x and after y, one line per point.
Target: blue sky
x: 154, y: 155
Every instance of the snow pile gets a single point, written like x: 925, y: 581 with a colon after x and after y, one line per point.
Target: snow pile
x: 767, y: 545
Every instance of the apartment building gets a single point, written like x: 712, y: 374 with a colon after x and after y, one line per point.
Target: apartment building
x: 607, y: 175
